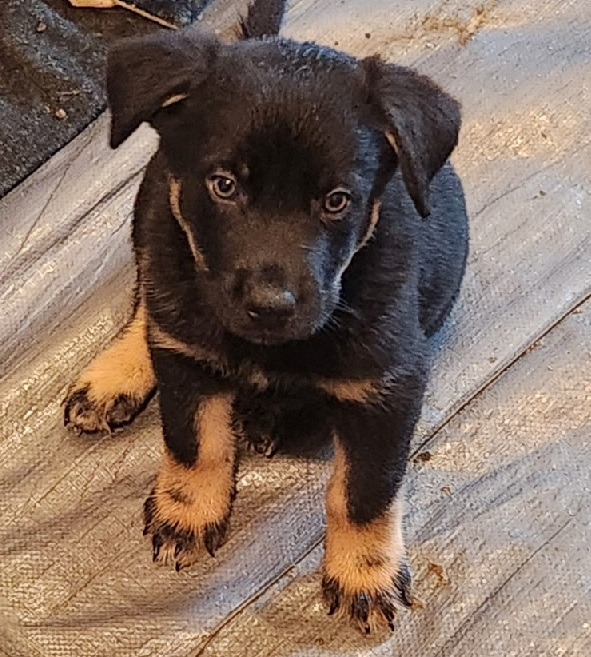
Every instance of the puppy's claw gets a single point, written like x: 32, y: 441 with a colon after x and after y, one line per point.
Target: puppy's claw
x: 388, y: 614
x: 157, y: 543
x: 214, y: 537
x: 331, y: 594
x: 360, y: 608
x: 271, y: 450
x: 403, y: 583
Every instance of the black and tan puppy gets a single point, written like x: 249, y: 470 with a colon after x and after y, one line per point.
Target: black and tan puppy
x: 286, y: 281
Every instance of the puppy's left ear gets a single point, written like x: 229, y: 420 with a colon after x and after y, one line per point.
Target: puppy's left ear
x: 419, y: 119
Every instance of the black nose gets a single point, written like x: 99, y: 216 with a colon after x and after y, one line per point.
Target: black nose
x: 269, y: 305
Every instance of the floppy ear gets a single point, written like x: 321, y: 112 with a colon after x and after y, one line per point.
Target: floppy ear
x: 420, y: 121
x: 145, y: 74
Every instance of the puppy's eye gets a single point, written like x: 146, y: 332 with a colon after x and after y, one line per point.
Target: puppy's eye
x: 337, y: 201
x: 222, y: 186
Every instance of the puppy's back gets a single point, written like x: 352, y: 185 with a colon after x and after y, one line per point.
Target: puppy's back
x: 443, y: 249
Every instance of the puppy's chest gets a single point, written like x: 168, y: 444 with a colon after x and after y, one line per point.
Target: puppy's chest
x: 275, y: 377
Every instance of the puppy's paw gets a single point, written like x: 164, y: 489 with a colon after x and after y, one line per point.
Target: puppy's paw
x: 260, y: 443
x: 257, y: 435
x: 179, y: 539
x: 367, y: 605
x: 188, y: 509
x: 115, y: 387
x: 84, y: 412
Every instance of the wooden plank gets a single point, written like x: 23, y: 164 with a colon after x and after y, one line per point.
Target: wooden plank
x: 78, y: 572
x: 499, y: 523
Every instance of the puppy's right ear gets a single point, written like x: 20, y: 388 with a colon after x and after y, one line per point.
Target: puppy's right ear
x: 420, y: 121
x: 146, y: 74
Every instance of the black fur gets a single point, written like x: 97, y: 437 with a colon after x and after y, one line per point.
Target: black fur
x: 290, y: 122
x: 262, y: 19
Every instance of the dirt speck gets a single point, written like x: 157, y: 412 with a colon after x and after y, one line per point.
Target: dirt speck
x: 464, y: 24
x: 368, y: 35
x: 439, y: 572
x: 446, y: 490
x: 533, y: 345
x: 423, y: 457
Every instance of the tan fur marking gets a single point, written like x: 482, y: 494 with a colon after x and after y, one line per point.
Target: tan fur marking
x: 175, y: 206
x: 392, y: 141
x: 124, y: 368
x: 158, y: 337
x: 375, y: 215
x: 373, y: 222
x: 191, y: 498
x: 360, y: 391
x: 361, y: 558
x: 172, y: 100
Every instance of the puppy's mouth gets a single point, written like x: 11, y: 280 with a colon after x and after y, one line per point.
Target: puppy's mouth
x: 267, y: 339
x: 269, y: 333
x: 273, y: 337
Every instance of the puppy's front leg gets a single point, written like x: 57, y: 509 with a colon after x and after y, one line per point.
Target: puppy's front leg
x: 365, y: 569
x: 190, y: 504
x: 116, y: 385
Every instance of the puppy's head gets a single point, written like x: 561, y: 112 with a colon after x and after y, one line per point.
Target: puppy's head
x: 278, y: 153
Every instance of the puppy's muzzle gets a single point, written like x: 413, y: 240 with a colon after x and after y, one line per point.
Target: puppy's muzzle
x: 269, y: 306
x: 263, y: 298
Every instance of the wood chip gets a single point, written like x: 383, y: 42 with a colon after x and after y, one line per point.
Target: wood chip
x: 95, y: 4
x: 110, y: 4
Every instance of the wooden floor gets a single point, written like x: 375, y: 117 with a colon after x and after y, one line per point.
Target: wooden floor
x: 499, y: 516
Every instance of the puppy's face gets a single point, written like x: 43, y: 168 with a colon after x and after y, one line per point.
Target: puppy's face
x: 274, y: 176
x: 277, y: 155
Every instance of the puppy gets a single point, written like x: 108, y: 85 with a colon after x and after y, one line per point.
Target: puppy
x: 286, y: 283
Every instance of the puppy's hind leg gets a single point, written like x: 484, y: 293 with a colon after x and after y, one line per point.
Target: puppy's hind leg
x: 116, y: 385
